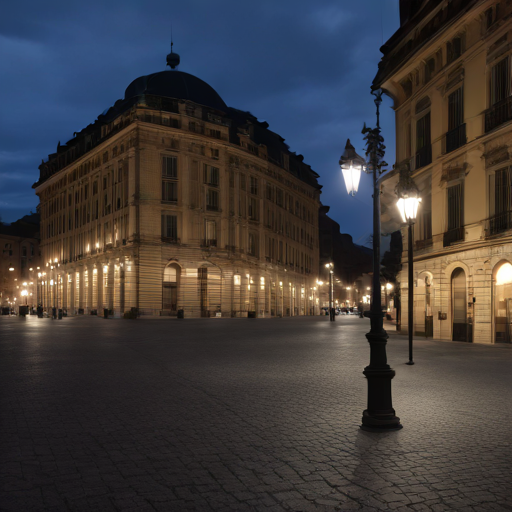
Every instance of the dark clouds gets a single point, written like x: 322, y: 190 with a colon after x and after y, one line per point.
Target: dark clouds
x: 304, y: 67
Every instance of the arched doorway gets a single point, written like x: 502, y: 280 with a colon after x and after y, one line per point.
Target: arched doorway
x: 170, y: 286
x: 423, y: 319
x: 503, y: 304
x: 460, y: 326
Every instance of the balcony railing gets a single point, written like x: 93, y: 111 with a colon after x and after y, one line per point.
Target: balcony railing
x: 455, y: 138
x: 499, y: 113
x: 500, y: 223
x: 453, y: 235
x: 424, y: 156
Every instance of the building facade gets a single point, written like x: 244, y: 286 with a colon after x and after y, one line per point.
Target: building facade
x: 19, y: 264
x: 170, y: 201
x: 448, y: 70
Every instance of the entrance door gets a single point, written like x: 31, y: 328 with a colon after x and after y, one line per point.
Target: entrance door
x: 203, y: 290
x: 459, y: 311
x: 503, y: 304
x: 170, y: 289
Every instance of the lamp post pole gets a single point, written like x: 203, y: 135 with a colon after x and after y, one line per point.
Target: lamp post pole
x: 411, y: 291
x: 379, y: 416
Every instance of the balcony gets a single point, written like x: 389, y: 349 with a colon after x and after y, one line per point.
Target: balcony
x: 453, y: 235
x: 424, y: 156
x: 499, y: 113
x: 455, y: 138
x: 499, y: 223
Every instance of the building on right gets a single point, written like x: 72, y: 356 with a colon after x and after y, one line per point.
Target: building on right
x: 448, y: 70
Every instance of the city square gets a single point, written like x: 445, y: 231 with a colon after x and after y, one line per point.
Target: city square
x: 244, y: 414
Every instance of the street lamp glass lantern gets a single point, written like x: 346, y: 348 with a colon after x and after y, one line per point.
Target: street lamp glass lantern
x: 351, y: 166
x: 408, y: 207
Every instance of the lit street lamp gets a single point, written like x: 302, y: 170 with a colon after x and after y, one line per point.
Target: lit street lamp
x: 408, y: 203
x: 379, y: 415
x: 332, y: 315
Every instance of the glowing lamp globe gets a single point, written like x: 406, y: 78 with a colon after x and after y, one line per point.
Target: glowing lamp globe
x: 351, y: 166
x: 408, y: 207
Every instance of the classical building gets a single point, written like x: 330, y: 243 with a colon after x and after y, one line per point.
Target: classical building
x: 20, y: 263
x: 170, y: 201
x: 448, y: 70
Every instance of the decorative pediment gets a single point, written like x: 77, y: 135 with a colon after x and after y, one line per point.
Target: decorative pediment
x: 422, y: 104
x: 496, y: 156
x: 455, y: 171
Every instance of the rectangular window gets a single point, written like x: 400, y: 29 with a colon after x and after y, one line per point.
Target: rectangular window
x: 170, y: 167
x: 269, y: 192
x: 430, y: 69
x: 212, y: 199
x: 253, y: 246
x: 423, y: 142
x: 211, y: 175
x: 210, y: 233
x: 253, y: 208
x: 456, y: 135
x: 169, y: 191
x: 170, y: 227
x: 215, y: 154
x: 500, y: 81
x: 455, y: 109
x: 453, y: 49
x: 500, y: 187
x: 455, y: 207
x: 254, y: 186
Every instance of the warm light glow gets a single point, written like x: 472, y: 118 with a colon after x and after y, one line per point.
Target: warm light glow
x: 11, y: 269
x: 348, y: 287
x: 408, y: 207
x: 352, y: 175
x: 25, y: 283
x: 31, y: 269
x: 105, y: 269
x: 504, y: 275
x: 24, y: 293
x: 238, y: 279
x: 389, y: 286
x: 320, y: 283
x: 55, y: 260
x: 280, y: 283
x: 51, y: 282
x: 39, y: 274
x: 97, y: 244
x: 94, y: 270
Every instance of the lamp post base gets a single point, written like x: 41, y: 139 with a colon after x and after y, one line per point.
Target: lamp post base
x: 410, y: 362
x: 380, y: 423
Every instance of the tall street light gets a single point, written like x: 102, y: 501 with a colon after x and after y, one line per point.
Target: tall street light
x: 332, y: 315
x: 379, y: 415
x: 408, y: 203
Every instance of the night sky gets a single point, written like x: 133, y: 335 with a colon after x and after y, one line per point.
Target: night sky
x: 304, y: 67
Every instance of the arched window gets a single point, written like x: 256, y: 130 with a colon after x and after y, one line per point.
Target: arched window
x: 503, y: 304
x: 170, y: 287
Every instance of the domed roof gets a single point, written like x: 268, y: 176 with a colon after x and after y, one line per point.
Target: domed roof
x: 178, y: 85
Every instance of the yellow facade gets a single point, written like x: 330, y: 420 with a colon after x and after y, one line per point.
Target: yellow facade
x: 175, y: 206
x: 448, y: 69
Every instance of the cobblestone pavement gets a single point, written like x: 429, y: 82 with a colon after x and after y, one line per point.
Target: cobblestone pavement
x: 243, y: 414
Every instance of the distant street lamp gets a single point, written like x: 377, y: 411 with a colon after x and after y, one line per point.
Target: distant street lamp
x: 379, y: 415
x: 408, y: 203
x: 332, y: 316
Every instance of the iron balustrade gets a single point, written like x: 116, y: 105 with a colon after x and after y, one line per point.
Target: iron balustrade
x: 500, y: 222
x: 453, y: 235
x: 499, y: 113
x: 424, y: 156
x: 455, y: 138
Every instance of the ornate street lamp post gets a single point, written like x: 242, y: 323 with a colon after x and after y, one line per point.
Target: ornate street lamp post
x: 379, y: 415
x: 408, y: 203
